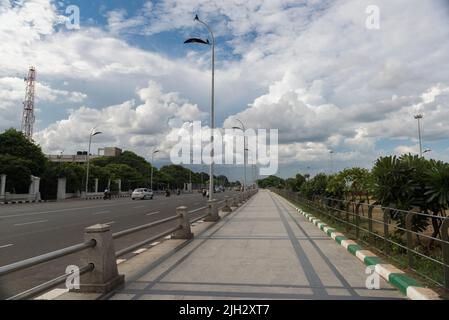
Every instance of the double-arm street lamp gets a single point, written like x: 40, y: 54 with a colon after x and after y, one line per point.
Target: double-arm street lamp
x: 212, y: 111
x: 152, y: 166
x: 245, y: 149
x: 92, y: 133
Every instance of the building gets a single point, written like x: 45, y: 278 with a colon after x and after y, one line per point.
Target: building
x: 81, y: 156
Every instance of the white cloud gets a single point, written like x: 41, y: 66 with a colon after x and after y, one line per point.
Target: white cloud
x: 312, y: 70
x: 138, y: 127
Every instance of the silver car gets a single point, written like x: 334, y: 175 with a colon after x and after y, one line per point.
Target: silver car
x: 142, y: 194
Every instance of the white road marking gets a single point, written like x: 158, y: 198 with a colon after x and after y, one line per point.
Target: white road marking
x: 53, y: 294
x: 60, y: 210
x: 6, y: 246
x: 27, y: 223
x: 138, y: 207
x: 140, y: 251
x: 112, y: 222
x: 152, y: 213
x: 167, y: 237
x: 120, y: 261
x: 154, y: 244
x: 101, y: 212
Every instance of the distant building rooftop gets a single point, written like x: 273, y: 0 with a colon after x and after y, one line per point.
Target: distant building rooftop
x: 81, y: 156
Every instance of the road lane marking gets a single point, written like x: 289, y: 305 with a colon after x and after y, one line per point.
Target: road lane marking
x: 27, y: 223
x: 101, y: 212
x: 152, y: 213
x: 167, y: 237
x: 139, y: 251
x: 53, y: 294
x: 6, y: 246
x: 138, y: 207
x: 60, y: 210
x: 109, y: 223
x: 120, y: 261
x: 154, y: 244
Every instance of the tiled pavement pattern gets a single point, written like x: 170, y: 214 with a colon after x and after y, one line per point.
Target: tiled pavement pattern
x: 263, y: 250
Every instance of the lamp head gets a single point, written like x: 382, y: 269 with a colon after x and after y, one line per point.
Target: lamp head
x: 197, y: 40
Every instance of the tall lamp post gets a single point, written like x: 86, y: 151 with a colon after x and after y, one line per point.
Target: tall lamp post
x: 152, y: 167
x: 242, y: 127
x: 331, y: 152
x: 419, y: 117
x: 212, y: 105
x: 92, y: 133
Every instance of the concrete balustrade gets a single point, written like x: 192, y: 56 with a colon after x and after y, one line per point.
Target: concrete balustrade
x: 184, y: 223
x: 102, y: 256
x: 213, y: 211
x: 227, y: 207
x: 235, y: 201
x: 104, y: 277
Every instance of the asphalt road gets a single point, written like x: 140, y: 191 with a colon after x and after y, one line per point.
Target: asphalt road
x: 28, y: 230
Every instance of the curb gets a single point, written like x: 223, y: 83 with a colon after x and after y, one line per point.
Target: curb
x: 397, y: 278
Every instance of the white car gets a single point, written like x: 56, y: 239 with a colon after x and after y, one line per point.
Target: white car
x: 142, y: 194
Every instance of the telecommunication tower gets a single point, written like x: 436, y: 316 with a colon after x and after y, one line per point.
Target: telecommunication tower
x: 28, y: 104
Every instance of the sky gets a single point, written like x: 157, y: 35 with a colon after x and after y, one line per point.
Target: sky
x: 311, y: 69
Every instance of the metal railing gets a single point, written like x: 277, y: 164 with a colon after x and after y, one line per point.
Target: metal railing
x: 390, y: 231
x: 100, y: 248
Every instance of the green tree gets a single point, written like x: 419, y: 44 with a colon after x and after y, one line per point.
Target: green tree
x: 18, y: 173
x: 398, y: 184
x: 14, y: 143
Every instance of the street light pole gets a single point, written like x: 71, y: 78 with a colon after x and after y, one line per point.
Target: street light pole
x: 331, y: 152
x: 419, y: 117
x: 244, y: 151
x: 212, y: 105
x: 152, y: 167
x: 92, y: 133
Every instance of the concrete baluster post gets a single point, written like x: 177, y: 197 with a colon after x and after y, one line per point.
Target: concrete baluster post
x: 213, y: 211
x: 235, y: 201
x: 104, y: 277
x: 184, y: 222
x: 227, y: 207
x: 96, y: 185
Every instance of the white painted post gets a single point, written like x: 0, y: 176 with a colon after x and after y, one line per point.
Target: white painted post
x: 96, y: 185
x: 62, y: 182
x: 3, y: 186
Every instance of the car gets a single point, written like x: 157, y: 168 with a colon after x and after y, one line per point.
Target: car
x: 142, y: 194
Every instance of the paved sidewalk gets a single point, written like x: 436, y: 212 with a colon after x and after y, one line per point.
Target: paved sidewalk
x: 263, y: 250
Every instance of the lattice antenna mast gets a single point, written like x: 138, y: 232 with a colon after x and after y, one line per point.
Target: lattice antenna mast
x: 28, y: 104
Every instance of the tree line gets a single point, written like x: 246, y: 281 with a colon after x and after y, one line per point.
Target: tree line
x: 408, y: 182
x: 21, y: 158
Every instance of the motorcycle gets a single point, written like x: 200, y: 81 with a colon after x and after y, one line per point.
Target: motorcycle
x: 107, y: 196
x: 167, y: 193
